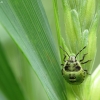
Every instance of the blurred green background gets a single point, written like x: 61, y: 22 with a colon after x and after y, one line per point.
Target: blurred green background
x: 24, y: 73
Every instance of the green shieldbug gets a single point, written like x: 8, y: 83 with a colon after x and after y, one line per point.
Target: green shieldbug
x: 72, y: 70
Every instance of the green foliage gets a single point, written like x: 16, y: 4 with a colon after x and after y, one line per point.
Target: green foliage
x: 8, y: 82
x: 81, y: 27
x: 27, y: 24
x: 81, y: 23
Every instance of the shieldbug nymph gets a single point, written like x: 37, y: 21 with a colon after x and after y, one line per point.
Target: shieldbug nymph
x: 72, y: 70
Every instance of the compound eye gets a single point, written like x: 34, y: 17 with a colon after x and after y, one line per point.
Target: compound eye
x: 77, y: 68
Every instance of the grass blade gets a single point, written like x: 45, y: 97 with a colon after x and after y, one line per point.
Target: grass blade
x: 27, y: 24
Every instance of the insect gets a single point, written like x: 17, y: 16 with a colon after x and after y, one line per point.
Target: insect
x: 72, y: 70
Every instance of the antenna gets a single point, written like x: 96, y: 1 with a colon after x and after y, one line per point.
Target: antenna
x: 65, y: 51
x: 80, y: 51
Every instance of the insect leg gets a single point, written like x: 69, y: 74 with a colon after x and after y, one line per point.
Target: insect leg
x: 62, y: 64
x: 83, y: 57
x: 85, y: 62
x: 87, y: 72
x: 64, y: 58
x: 62, y: 71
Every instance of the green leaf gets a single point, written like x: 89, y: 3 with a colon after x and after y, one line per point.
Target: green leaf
x: 27, y: 24
x: 8, y: 82
x: 61, y: 42
x: 91, y: 88
x: 92, y: 41
x: 87, y: 12
x: 72, y: 28
x: 95, y: 85
x: 69, y: 28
